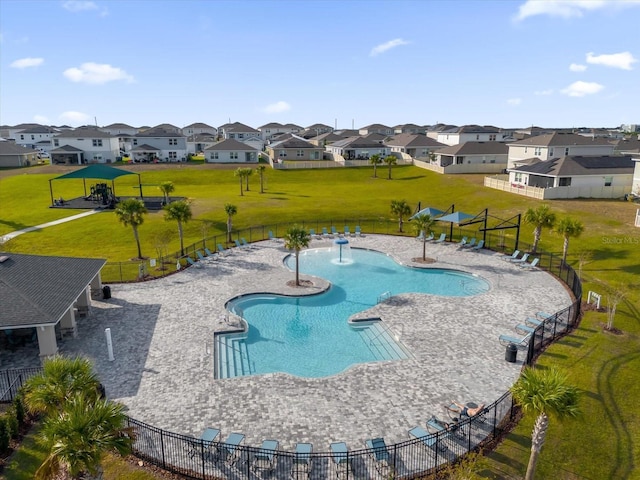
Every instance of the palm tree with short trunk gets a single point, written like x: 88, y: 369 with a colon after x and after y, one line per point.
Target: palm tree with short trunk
x: 230, y: 210
x: 541, y: 217
x: 296, y: 238
x: 247, y: 173
x: 545, y: 393
x: 240, y: 173
x: 179, y: 211
x: 375, y: 160
x: 423, y: 224
x: 390, y: 161
x: 261, y: 169
x: 568, y: 227
x: 131, y: 212
x: 166, y: 188
x: 401, y: 209
x: 61, y: 379
x: 77, y: 438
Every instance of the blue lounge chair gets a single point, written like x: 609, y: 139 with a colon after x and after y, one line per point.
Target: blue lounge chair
x: 420, y: 236
x: 530, y: 266
x: 265, y: 459
x: 380, y: 454
x: 533, y: 322
x: 521, y: 260
x: 238, y: 244
x: 221, y: 249
x: 209, y: 438
x: 347, y: 233
x: 312, y: 233
x: 430, y: 237
x: 199, y: 254
x: 435, y: 425
x: 229, y: 452
x: 442, y: 238
x: 302, y: 462
x: 479, y: 246
x: 462, y: 242
x: 358, y: 231
x: 334, y: 231
x: 208, y: 252
x: 193, y: 263
x: 525, y: 329
x: 427, y: 440
x: 471, y: 244
x: 513, y: 256
x: 545, y: 315
x: 518, y: 342
x: 244, y: 243
x: 272, y: 237
x: 341, y: 460
x: 325, y: 233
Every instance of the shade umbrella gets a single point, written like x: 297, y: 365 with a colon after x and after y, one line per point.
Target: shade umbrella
x: 455, y: 217
x: 433, y: 212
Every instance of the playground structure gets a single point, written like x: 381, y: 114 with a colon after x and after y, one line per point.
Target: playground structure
x: 102, y: 194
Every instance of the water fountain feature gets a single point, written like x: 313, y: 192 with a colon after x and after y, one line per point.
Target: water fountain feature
x: 342, y: 251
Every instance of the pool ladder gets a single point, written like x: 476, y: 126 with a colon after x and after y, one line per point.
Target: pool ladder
x: 384, y: 296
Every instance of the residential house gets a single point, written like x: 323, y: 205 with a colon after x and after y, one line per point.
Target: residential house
x: 376, y: 128
x: 271, y: 131
x: 241, y: 132
x: 416, y: 146
x: 357, y: 148
x: 434, y: 130
x: 84, y: 145
x: 473, y: 133
x: 346, y: 133
x: 200, y: 142
x: 291, y: 147
x: 12, y: 155
x: 120, y: 130
x: 555, y: 145
x: 635, y: 188
x: 199, y: 128
x: 231, y: 151
x: 627, y: 145
x: 325, y: 139
x: 10, y: 133
x: 38, y: 137
x: 577, y: 176
x: 471, y: 157
x: 409, y: 128
x: 162, y: 143
x: 315, y: 130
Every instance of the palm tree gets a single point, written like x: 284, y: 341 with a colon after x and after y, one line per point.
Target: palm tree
x: 540, y: 218
x: 375, y: 160
x: 247, y: 173
x: 568, y: 227
x: 230, y: 210
x: 77, y: 438
x: 296, y: 238
x: 166, y: 188
x: 544, y: 392
x: 390, y: 160
x: 261, y: 169
x: 179, y: 211
x: 240, y: 173
x: 61, y: 379
x: 400, y: 208
x: 423, y: 223
x: 130, y: 212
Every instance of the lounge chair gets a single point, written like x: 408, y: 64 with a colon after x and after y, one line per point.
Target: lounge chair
x: 266, y: 458
x: 427, y: 440
x: 347, y: 232
x: 302, y: 462
x: 325, y: 233
x: 193, y: 263
x: 208, y: 252
x: 456, y: 413
x: 530, y: 266
x: 229, y: 452
x: 420, y: 236
x: 513, y: 256
x: 334, y: 231
x: 199, y: 254
x: 518, y: 342
x: 272, y: 237
x: 209, y: 438
x: 462, y: 242
x: 442, y: 238
x: 525, y: 329
x: 471, y: 244
x: 341, y: 460
x: 520, y: 260
x: 479, y: 246
x: 358, y: 231
x: 380, y: 454
x: 221, y: 249
x: 244, y: 243
x: 430, y: 237
x: 435, y: 425
x: 312, y: 233
x: 545, y: 315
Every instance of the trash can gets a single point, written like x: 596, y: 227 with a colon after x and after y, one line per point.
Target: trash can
x: 106, y: 292
x: 511, y: 353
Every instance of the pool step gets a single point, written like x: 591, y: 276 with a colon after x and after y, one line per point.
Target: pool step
x: 381, y: 343
x: 233, y: 356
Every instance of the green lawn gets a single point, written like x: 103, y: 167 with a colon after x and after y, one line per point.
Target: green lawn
x: 602, y: 444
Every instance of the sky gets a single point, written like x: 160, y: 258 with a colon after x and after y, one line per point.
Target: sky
x: 344, y: 63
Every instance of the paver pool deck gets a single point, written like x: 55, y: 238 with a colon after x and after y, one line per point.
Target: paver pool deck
x: 162, y: 334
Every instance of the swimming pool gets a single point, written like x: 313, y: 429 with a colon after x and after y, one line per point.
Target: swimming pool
x: 310, y: 337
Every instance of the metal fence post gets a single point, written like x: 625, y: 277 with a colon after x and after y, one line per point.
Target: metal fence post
x: 164, y: 464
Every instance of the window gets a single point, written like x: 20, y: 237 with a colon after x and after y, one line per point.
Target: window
x: 173, y: 155
x: 233, y: 155
x: 97, y: 158
x: 525, y: 149
x: 214, y: 156
x: 566, y: 151
x: 492, y: 137
x: 518, y: 177
x: 459, y: 160
x: 173, y: 141
x: 608, y: 181
x: 33, y: 137
x: 300, y: 153
x: 538, y: 151
x: 550, y: 152
x: 97, y: 142
x: 477, y: 137
x: 135, y: 141
x: 241, y: 135
x: 565, y: 182
x: 56, y: 142
x: 282, y: 153
x: 21, y: 137
x: 232, y: 135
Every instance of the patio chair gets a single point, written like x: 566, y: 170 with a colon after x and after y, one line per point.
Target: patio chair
x: 456, y: 411
x: 479, y: 246
x: 442, y: 238
x: 427, y: 440
x: 524, y: 329
x: 420, y: 237
x: 312, y: 233
x: 334, y: 231
x: 430, y: 237
x: 302, y: 462
x: 462, y: 242
x: 530, y: 266
x: 229, y: 451
x: 209, y: 438
x: 208, y: 252
x: 347, y: 232
x: 325, y: 233
x: 380, y: 454
x: 341, y: 460
x: 533, y: 322
x: 221, y: 249
x: 521, y: 343
x: 266, y: 458
x: 358, y: 231
x: 244, y: 243
x: 272, y: 237
x: 513, y: 256
x: 199, y: 254
x: 520, y: 260
x: 193, y: 263
x: 435, y: 425
x: 471, y: 244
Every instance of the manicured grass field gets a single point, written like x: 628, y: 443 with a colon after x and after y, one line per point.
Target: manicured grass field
x: 603, y: 443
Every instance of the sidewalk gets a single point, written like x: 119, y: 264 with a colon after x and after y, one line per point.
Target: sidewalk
x: 10, y: 235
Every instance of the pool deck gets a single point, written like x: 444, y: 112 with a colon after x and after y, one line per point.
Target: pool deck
x: 162, y: 334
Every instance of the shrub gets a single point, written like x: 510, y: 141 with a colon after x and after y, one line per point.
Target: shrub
x: 18, y: 406
x: 5, y: 434
x: 12, y: 423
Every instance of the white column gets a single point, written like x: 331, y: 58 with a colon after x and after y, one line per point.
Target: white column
x: 68, y: 322
x: 47, y: 341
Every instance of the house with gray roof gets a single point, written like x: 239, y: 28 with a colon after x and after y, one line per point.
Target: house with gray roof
x: 416, y: 146
x: 199, y: 142
x: 231, y: 151
x: 12, y: 155
x: 168, y: 143
x: 86, y: 144
x: 272, y: 130
x: 291, y: 147
x: 469, y: 157
x: 635, y: 187
x: 120, y: 130
x: 33, y: 136
x: 43, y: 297
x: 243, y: 133
x: 199, y: 128
x: 357, y: 149
x: 473, y: 133
x: 409, y: 128
x: 376, y: 128
x: 577, y: 176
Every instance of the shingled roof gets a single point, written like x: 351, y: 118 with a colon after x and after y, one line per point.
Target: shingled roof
x: 413, y: 140
x: 476, y: 148
x: 557, y: 139
x: 38, y: 290
x: 580, y: 165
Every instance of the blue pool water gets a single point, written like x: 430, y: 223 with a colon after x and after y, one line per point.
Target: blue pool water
x: 310, y: 336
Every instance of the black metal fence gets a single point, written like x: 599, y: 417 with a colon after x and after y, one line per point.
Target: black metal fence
x: 11, y: 381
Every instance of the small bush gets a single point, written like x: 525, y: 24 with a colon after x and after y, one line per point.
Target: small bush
x: 5, y: 434
x: 12, y: 423
x: 18, y: 406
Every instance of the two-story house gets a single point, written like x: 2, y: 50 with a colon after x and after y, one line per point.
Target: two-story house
x: 84, y: 145
x: 409, y: 128
x: 376, y: 128
x: 473, y: 133
x: 416, y: 146
x: 291, y: 147
x: 120, y: 130
x: 160, y: 144
x: 315, y: 130
x: 356, y: 149
x: 241, y: 132
x: 231, y: 151
x: 199, y: 128
x: 38, y: 138
x: 271, y: 131
x: 472, y: 157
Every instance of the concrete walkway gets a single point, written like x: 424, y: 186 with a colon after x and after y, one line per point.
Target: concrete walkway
x: 10, y: 235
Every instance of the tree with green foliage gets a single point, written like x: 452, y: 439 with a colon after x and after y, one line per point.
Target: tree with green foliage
x: 401, y: 209
x: 230, y: 210
x: 131, y: 212
x: 247, y: 173
x: 375, y: 160
x: 261, y: 169
x: 296, y: 238
x: 423, y: 224
x: 166, y: 188
x: 540, y: 218
x: 240, y: 173
x: 568, y: 227
x: 545, y: 393
x: 390, y: 161
x: 61, y: 379
x: 179, y: 211
x: 77, y: 438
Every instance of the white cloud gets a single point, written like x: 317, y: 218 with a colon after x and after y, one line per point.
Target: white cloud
x: 569, y: 8
x: 79, y: 5
x: 543, y: 92
x: 623, y: 60
x: 97, y: 74
x: 74, y: 118
x: 277, y: 107
x: 580, y: 89
x: 27, y: 62
x: 41, y: 119
x: 576, y: 67
x: 383, y: 47
x: 514, y: 102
